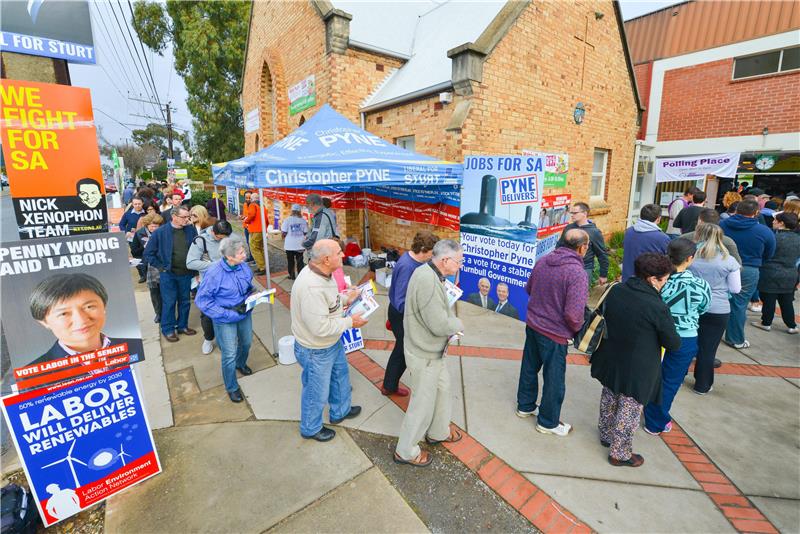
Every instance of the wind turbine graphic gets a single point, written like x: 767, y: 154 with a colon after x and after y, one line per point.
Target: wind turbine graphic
x: 69, y: 459
x: 122, y: 454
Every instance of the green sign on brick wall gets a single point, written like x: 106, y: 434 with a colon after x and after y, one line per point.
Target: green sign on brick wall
x: 303, y: 95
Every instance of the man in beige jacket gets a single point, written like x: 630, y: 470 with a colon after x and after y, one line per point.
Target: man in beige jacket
x: 429, y: 321
x: 318, y: 322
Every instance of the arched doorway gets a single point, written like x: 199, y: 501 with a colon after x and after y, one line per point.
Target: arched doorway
x: 268, y: 120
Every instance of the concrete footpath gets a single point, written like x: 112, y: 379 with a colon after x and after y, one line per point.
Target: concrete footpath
x: 732, y: 462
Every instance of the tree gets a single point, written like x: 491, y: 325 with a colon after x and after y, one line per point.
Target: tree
x: 208, y: 40
x: 156, y: 134
x: 135, y: 157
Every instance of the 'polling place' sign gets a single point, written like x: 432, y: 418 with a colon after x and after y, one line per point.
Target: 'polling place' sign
x: 81, y: 443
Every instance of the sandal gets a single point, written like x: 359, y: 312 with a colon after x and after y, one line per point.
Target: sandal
x: 450, y: 439
x: 423, y: 459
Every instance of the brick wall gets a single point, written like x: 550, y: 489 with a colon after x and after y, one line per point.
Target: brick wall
x: 702, y: 101
x: 644, y: 77
x: 531, y: 84
x: 291, y: 50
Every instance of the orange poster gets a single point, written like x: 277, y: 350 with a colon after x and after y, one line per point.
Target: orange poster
x: 51, y: 156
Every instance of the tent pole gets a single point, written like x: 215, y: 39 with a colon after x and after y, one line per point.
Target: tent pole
x: 266, y: 263
x: 366, y: 222
x: 216, y: 196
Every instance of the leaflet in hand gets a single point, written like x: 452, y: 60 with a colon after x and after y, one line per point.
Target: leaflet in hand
x: 453, y: 292
x: 258, y: 298
x: 364, y: 305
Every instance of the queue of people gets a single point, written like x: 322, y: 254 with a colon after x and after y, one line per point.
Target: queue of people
x: 682, y: 293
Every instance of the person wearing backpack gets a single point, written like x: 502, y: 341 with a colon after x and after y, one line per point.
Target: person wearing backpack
x: 323, y: 222
x: 675, y: 207
x: 688, y: 297
x: 628, y: 362
x: 203, y: 252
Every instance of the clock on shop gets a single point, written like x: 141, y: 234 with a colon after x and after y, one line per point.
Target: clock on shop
x: 765, y: 162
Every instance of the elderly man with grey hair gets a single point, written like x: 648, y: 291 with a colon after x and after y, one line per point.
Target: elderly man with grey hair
x: 429, y: 322
x: 318, y: 322
x: 221, y: 295
x: 323, y: 221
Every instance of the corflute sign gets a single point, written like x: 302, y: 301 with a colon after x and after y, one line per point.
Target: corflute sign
x: 81, y: 443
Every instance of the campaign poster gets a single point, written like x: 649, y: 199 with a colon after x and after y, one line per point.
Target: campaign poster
x: 68, y: 308
x: 232, y: 197
x: 352, y: 340
x: 57, y: 29
x: 52, y: 161
x: 556, y: 168
x: 553, y: 214
x: 83, y: 442
x: 500, y: 212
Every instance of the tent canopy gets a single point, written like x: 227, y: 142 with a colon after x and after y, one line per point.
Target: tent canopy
x: 329, y: 151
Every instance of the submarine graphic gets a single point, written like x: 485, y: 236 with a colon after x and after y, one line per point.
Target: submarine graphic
x: 486, y: 214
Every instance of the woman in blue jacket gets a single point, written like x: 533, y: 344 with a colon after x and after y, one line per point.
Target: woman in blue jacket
x: 221, y: 295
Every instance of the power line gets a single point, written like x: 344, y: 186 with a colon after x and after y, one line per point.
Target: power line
x: 112, y: 118
x: 144, y: 54
x: 113, y: 45
x: 142, y: 63
x: 128, y: 46
x: 112, y: 80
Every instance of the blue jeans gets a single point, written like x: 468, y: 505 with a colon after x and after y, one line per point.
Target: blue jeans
x: 673, y: 370
x: 541, y: 351
x: 734, y: 333
x: 234, y: 340
x: 175, y: 289
x: 325, y: 379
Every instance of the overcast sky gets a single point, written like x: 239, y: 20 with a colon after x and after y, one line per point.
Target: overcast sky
x: 119, y: 73
x: 119, y: 76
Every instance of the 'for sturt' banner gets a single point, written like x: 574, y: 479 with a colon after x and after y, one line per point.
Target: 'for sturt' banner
x: 81, y: 443
x: 50, y: 148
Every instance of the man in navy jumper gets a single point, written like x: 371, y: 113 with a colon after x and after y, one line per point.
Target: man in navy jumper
x: 756, y: 245
x: 644, y: 236
x: 166, y: 250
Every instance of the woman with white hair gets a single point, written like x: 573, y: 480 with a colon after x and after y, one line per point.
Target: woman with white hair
x: 294, y: 229
x: 223, y: 290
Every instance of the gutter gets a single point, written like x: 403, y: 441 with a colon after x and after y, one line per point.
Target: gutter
x: 377, y: 50
x: 628, y: 61
x: 409, y: 96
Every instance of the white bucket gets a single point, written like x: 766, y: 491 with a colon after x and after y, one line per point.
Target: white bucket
x: 286, y: 350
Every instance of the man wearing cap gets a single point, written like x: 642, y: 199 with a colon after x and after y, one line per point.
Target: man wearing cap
x: 294, y: 229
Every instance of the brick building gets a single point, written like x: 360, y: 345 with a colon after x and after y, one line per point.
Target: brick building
x: 719, y: 77
x: 454, y: 79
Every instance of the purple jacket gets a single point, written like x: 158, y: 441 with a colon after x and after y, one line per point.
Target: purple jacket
x: 223, y: 287
x: 558, y: 290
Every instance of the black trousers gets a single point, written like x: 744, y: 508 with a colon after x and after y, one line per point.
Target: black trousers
x: 155, y: 298
x: 208, y: 327
x: 712, y: 326
x: 397, y: 359
x: 785, y: 301
x: 293, y: 256
x: 142, y: 268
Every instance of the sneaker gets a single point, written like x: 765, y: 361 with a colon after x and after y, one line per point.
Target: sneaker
x: 759, y: 324
x: 703, y: 392
x: 561, y: 430
x: 744, y: 345
x: 668, y: 428
x: 208, y: 346
x: 651, y: 432
x: 523, y: 414
x: 792, y: 330
x: 754, y: 307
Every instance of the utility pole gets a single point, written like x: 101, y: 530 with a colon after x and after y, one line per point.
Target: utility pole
x: 166, y: 116
x: 169, y: 129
